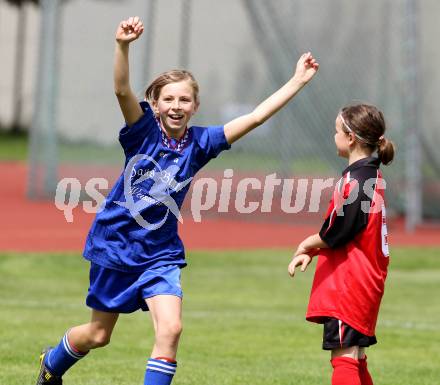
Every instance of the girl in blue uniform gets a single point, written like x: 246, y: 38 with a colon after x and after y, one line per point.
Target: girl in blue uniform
x: 133, y: 246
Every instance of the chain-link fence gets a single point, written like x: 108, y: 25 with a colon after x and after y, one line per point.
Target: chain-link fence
x: 383, y: 52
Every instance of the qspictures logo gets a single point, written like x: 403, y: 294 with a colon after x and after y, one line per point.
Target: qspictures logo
x: 146, y: 185
x: 138, y: 200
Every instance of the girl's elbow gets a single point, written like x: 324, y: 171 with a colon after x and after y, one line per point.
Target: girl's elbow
x: 257, y: 120
x: 121, y: 87
x: 120, y: 92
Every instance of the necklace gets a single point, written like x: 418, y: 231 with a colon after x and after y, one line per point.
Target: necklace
x: 171, y: 143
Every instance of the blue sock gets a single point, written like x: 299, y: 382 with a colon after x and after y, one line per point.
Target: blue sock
x: 62, y: 357
x: 159, y: 372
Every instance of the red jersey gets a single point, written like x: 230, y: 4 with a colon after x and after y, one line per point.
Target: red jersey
x: 350, y: 274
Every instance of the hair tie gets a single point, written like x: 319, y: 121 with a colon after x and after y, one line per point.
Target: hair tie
x: 381, y: 139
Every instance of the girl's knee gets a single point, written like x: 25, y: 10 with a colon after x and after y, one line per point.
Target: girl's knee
x: 171, y: 330
x: 99, y: 338
x: 361, y: 354
x: 350, y: 352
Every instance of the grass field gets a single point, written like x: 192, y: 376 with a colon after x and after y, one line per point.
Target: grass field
x: 243, y: 322
x: 15, y: 148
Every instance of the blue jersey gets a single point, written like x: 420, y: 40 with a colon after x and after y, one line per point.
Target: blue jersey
x: 137, y: 228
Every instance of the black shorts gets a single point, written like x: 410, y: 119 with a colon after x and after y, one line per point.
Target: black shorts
x: 338, y: 335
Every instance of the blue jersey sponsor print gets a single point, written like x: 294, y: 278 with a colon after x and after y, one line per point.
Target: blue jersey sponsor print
x: 137, y: 228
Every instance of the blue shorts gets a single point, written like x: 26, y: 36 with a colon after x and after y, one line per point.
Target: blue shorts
x: 119, y: 292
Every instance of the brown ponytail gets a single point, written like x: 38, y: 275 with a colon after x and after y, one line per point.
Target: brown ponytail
x: 385, y: 151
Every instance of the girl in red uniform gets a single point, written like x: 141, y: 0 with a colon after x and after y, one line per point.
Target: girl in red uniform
x: 352, y: 247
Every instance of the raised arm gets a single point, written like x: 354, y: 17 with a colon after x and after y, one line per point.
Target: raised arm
x: 306, y: 68
x: 128, y: 31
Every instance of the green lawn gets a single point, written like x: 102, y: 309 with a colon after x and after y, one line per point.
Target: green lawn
x: 243, y: 322
x: 15, y: 148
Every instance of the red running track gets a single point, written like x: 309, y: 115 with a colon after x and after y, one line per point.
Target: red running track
x: 33, y: 226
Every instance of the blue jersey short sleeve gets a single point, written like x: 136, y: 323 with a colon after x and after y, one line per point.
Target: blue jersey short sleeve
x: 150, y: 191
x: 132, y: 137
x: 210, y: 141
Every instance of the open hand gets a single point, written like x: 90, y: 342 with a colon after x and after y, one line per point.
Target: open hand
x: 306, y: 67
x: 301, y: 259
x: 303, y: 248
x: 129, y: 30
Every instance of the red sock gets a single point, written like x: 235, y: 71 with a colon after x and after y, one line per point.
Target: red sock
x: 364, y: 374
x: 345, y: 371
x: 166, y: 359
